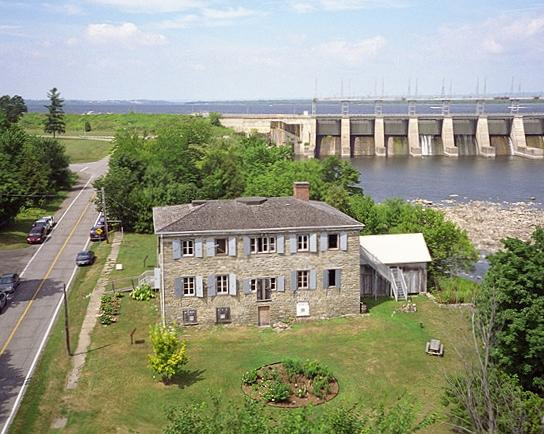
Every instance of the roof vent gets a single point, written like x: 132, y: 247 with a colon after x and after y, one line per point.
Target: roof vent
x: 251, y: 200
x: 198, y: 202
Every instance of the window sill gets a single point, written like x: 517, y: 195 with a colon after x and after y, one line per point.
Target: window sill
x: 261, y: 301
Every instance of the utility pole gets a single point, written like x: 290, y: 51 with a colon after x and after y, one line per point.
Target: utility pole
x: 66, y: 328
x: 104, y: 214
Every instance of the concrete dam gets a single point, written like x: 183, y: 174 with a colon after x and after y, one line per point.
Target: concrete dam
x: 388, y: 135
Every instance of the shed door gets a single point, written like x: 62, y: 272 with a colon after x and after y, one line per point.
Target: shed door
x: 264, y: 315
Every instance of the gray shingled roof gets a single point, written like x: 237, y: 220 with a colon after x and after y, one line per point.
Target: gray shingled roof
x: 235, y: 215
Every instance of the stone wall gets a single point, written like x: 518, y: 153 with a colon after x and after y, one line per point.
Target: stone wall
x: 244, y: 307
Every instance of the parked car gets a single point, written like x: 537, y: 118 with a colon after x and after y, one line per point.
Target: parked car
x: 37, y: 235
x: 9, y: 282
x: 3, y: 300
x: 85, y: 257
x: 98, y: 233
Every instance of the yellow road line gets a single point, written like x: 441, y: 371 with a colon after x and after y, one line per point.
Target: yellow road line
x: 23, y: 314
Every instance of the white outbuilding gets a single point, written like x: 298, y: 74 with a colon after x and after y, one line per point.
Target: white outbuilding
x: 394, y: 265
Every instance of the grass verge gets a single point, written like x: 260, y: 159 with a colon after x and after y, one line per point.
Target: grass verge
x: 13, y: 236
x: 84, y: 150
x: 44, y: 395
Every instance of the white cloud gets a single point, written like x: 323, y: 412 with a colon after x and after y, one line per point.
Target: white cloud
x: 490, y: 45
x: 345, y: 5
x: 127, y: 34
x: 352, y: 52
x: 210, y: 18
x: 153, y: 6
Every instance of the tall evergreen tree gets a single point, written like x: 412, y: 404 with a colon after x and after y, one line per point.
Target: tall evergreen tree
x: 54, y: 121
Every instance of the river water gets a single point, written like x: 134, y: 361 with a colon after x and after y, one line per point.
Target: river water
x: 501, y: 179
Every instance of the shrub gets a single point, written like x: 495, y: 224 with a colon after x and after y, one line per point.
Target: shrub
x: 269, y: 374
x: 143, y: 292
x: 312, y: 369
x: 455, y: 290
x: 169, y: 352
x: 277, y: 391
x: 110, y: 307
x: 301, y: 391
x: 293, y: 367
x: 105, y: 319
x: 321, y: 387
x: 250, y: 377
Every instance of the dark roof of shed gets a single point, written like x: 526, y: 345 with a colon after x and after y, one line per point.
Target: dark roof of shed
x: 235, y: 215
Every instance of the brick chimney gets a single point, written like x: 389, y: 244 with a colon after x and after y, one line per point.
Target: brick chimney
x: 301, y: 190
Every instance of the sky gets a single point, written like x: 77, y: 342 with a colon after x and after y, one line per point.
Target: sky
x: 180, y: 50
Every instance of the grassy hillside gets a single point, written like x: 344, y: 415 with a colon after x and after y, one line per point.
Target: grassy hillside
x: 86, y: 150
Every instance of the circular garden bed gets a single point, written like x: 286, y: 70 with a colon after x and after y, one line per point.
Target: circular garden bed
x: 291, y: 383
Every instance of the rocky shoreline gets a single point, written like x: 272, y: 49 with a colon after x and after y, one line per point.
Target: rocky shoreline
x: 488, y: 222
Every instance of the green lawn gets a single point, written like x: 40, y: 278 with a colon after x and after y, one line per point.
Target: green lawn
x: 376, y: 359
x: 85, y: 150
x: 43, y: 398
x: 13, y: 236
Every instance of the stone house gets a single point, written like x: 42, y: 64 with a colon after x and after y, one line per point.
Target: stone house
x: 257, y: 260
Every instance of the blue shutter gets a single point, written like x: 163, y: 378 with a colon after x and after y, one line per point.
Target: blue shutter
x: 339, y: 278
x: 280, y: 244
x: 313, y: 279
x: 280, y: 284
x: 232, y: 284
x: 176, y: 249
x: 198, y: 247
x: 210, y: 246
x: 211, y: 286
x: 293, y: 244
x: 313, y: 242
x: 343, y: 241
x: 247, y: 246
x: 232, y: 246
x: 324, y: 241
x: 325, y: 279
x: 178, y: 287
x: 246, y: 285
x: 293, y: 280
x: 199, y: 286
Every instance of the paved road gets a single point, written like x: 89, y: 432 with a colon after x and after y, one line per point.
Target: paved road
x: 25, y: 323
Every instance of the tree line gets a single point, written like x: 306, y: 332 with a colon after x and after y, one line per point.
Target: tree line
x: 32, y: 168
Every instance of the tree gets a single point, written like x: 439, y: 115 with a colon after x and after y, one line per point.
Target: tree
x: 215, y: 119
x: 54, y: 121
x: 516, y: 277
x: 12, y: 108
x: 87, y: 127
x: 483, y: 398
x: 169, y: 352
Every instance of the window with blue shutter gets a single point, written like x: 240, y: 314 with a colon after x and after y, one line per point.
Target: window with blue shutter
x: 198, y: 248
x: 294, y: 282
x: 293, y: 243
x: 199, y: 287
x: 313, y: 242
x: 323, y: 241
x: 246, y: 286
x: 343, y: 241
x: 280, y: 245
x: 325, y: 279
x: 281, y: 284
x: 247, y: 246
x: 338, y: 278
x: 232, y: 246
x: 210, y: 247
x: 313, y: 279
x: 232, y: 284
x: 211, y: 285
x: 178, y: 287
x: 176, y: 249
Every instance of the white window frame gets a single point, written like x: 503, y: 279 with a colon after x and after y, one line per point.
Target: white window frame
x: 189, y: 286
x: 267, y: 245
x: 273, y: 283
x: 226, y: 252
x: 303, y: 279
x: 303, y: 243
x: 337, y: 242
x: 222, y: 284
x: 187, y: 247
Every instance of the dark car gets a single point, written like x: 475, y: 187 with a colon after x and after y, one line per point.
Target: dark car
x: 86, y: 257
x: 98, y: 233
x: 9, y: 282
x: 37, y: 235
x: 3, y: 300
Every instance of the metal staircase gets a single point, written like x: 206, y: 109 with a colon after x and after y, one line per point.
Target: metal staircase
x: 398, y: 284
x: 393, y: 275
